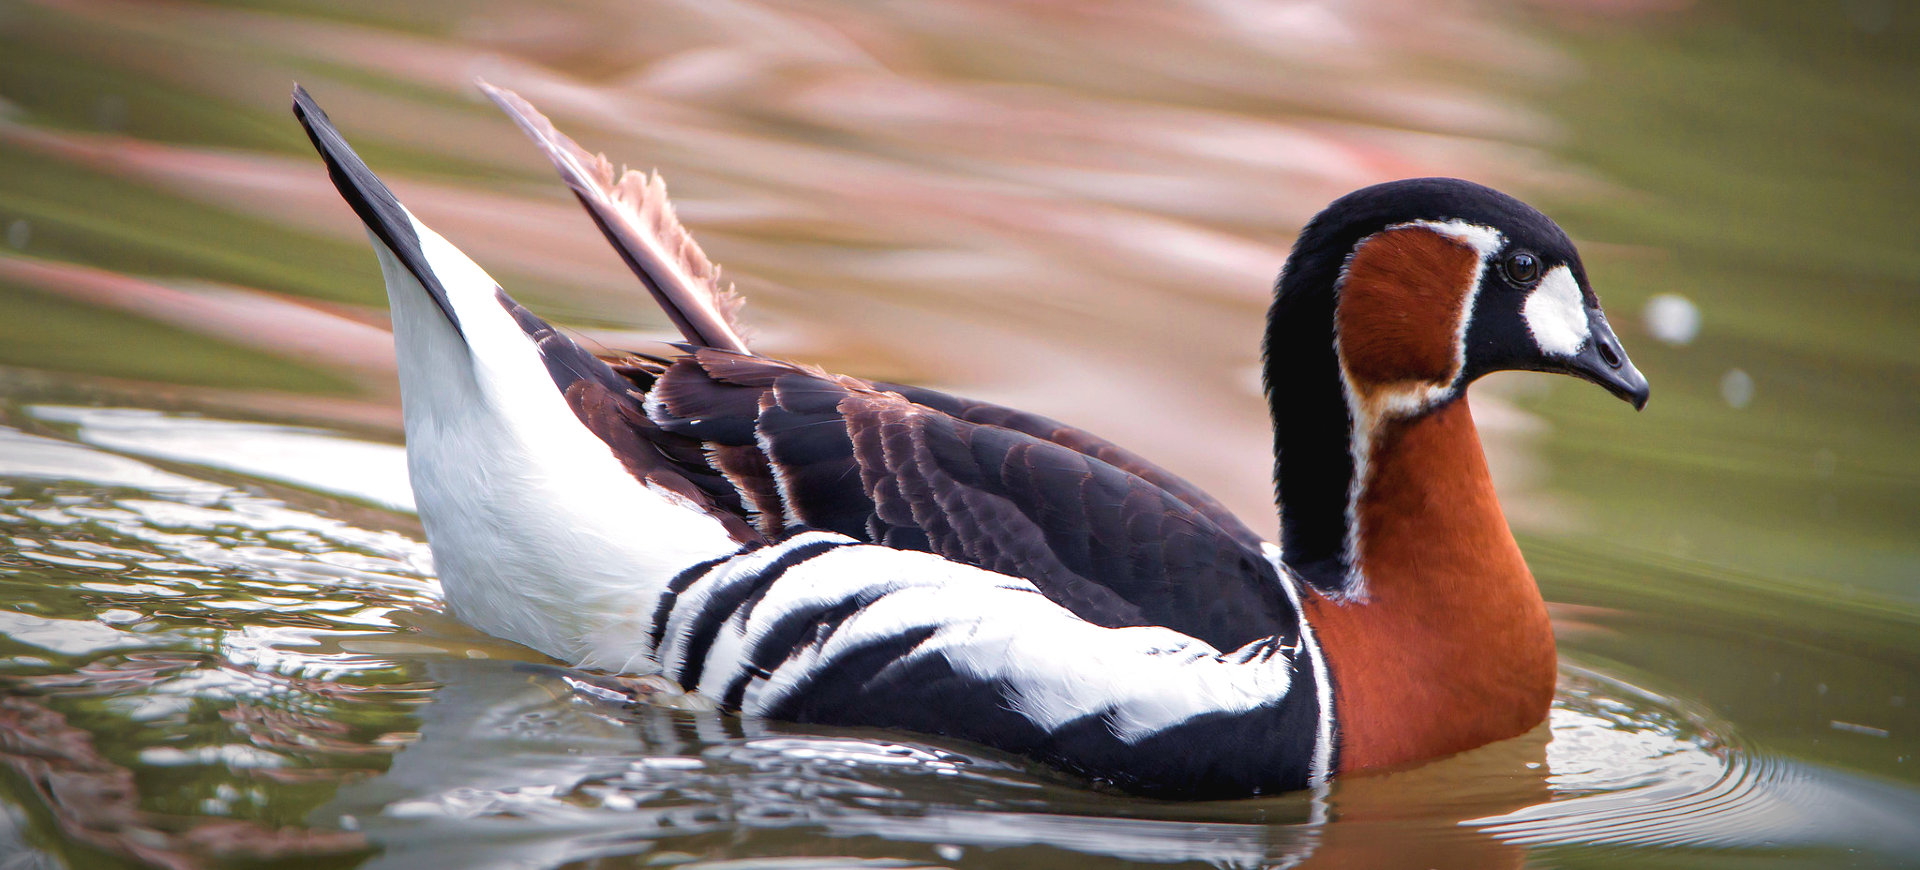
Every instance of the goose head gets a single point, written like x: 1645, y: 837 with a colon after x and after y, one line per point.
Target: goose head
x: 1397, y: 297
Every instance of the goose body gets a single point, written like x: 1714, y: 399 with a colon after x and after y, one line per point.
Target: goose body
x: 819, y: 548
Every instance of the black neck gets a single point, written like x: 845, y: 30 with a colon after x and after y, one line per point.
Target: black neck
x: 1313, y: 427
x: 1312, y: 424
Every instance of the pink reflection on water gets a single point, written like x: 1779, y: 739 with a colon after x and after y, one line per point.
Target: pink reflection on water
x: 1075, y: 207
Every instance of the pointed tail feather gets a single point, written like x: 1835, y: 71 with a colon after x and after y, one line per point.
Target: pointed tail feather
x: 384, y: 216
x: 637, y: 218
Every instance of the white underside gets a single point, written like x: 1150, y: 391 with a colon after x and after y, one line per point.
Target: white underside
x: 539, y: 534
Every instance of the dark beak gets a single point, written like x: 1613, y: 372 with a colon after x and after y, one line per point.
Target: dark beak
x: 1604, y: 362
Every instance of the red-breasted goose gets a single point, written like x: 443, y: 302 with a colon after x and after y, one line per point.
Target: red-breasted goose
x: 820, y: 548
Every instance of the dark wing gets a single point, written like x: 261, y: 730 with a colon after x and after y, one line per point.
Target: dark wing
x: 1081, y: 441
x: 805, y: 449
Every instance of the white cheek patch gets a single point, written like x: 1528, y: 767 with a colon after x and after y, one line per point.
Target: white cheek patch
x: 1555, y: 314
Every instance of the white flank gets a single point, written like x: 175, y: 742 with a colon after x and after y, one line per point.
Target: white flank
x: 539, y: 534
x: 1556, y: 315
x: 1058, y: 667
x: 727, y: 654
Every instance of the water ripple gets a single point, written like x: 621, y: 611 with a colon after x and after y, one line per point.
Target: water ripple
x: 1633, y: 769
x: 257, y: 659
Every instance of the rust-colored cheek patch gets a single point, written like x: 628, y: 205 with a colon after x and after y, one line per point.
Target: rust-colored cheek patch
x: 1400, y: 308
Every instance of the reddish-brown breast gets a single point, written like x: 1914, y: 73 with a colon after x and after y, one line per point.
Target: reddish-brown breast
x: 1451, y: 647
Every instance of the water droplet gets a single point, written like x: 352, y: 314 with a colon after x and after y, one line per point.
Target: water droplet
x: 1737, y: 388
x: 1673, y: 318
x: 949, y: 852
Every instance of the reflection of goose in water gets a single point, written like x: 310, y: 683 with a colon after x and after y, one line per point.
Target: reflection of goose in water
x: 511, y: 769
x: 514, y: 767
x: 818, y: 548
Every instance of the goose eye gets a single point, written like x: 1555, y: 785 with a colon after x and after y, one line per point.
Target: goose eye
x: 1522, y: 268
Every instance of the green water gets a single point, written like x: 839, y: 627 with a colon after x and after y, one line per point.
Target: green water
x: 223, y: 642
x: 1771, y: 149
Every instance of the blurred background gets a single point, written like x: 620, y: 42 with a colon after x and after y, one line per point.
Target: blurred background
x: 222, y: 633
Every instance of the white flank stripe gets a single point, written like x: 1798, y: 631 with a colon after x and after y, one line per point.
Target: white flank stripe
x: 992, y: 627
x: 1321, y: 768
x: 727, y: 655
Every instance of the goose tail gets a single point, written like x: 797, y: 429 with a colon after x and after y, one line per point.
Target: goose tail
x: 635, y: 215
x: 386, y: 219
x: 448, y: 313
x: 554, y: 520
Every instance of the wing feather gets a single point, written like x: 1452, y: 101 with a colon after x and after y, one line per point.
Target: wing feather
x: 1108, y: 544
x: 636, y: 216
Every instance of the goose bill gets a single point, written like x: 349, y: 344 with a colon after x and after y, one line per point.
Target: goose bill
x: 1603, y: 361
